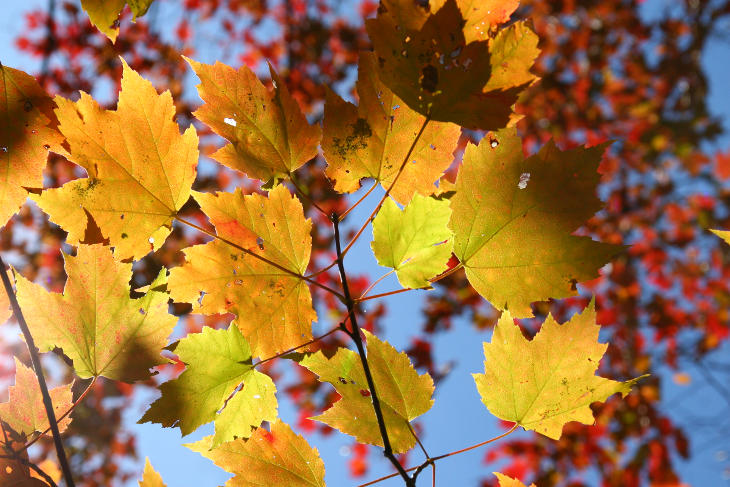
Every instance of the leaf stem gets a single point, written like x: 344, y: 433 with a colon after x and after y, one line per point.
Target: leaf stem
x: 431, y: 461
x: 398, y: 291
x: 355, y: 335
x: 313, y: 340
x: 36, y: 360
x: 374, y: 284
x: 390, y: 188
x: 347, y: 212
x: 259, y: 257
x: 305, y: 195
x: 60, y: 418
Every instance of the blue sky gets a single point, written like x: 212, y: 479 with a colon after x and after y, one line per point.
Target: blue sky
x: 458, y: 418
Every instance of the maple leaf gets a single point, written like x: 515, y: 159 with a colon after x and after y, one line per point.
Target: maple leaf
x: 270, y: 136
x: 403, y: 393
x: 549, y: 381
x: 140, y: 168
x: 150, y: 478
x: 14, y: 474
x: 723, y: 234
x: 104, y: 14
x: 513, y: 225
x: 25, y: 412
x: 278, y: 457
x: 441, y: 70
x: 505, y: 481
x: 372, y: 139
x: 274, y: 307
x: 217, y: 362
x: 416, y: 242
x: 98, y: 326
x: 27, y: 132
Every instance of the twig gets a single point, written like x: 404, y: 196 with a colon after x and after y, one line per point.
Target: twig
x: 390, y: 188
x: 313, y: 340
x: 260, y: 257
x: 433, y: 460
x: 398, y: 291
x: 70, y: 409
x: 355, y: 335
x: 35, y: 359
x: 347, y: 212
x: 305, y: 195
x: 50, y: 39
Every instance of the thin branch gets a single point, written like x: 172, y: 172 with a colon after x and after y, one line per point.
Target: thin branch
x: 375, y: 284
x: 433, y: 460
x: 35, y: 467
x: 418, y: 440
x: 355, y: 335
x: 398, y: 291
x: 36, y: 360
x: 390, y: 188
x: 60, y: 418
x: 321, y: 271
x: 259, y: 257
x: 347, y: 212
x: 305, y: 195
x: 313, y: 340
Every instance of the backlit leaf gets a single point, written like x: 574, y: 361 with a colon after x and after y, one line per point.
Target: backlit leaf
x: 140, y: 168
x: 278, y: 457
x: 513, y: 223
x: 269, y: 135
x: 372, y: 139
x: 404, y: 394
x: 150, y: 477
x: 543, y: 383
x: 24, y: 412
x: 481, y: 16
x: 438, y: 59
x: 104, y: 14
x: 95, y: 322
x: 416, y: 241
x: 14, y: 474
x: 27, y: 132
x: 217, y: 363
x: 273, y: 308
x: 505, y: 481
x: 723, y: 234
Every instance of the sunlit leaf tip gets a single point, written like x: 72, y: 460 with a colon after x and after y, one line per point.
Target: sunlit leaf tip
x: 548, y: 381
x: 150, y: 477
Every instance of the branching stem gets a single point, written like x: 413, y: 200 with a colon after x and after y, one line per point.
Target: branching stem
x: 355, y: 335
x: 36, y: 360
x: 313, y: 340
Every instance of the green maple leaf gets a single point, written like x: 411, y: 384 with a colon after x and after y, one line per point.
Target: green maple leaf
x: 98, y: 326
x: 278, y: 457
x: 217, y: 363
x: 546, y: 382
x: 416, y: 241
x: 513, y: 223
x: 404, y: 394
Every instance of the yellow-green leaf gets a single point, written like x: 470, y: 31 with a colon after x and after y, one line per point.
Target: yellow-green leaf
x: 95, y: 322
x: 25, y: 412
x: 372, y: 139
x: 513, y: 225
x: 273, y: 308
x: 416, y: 241
x: 428, y: 59
x: 217, y: 363
x: 278, y: 457
x: 404, y: 394
x: 270, y: 137
x: 150, y: 478
x: 104, y: 14
x: 27, y: 131
x: 723, y: 234
x: 140, y: 168
x: 548, y: 381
